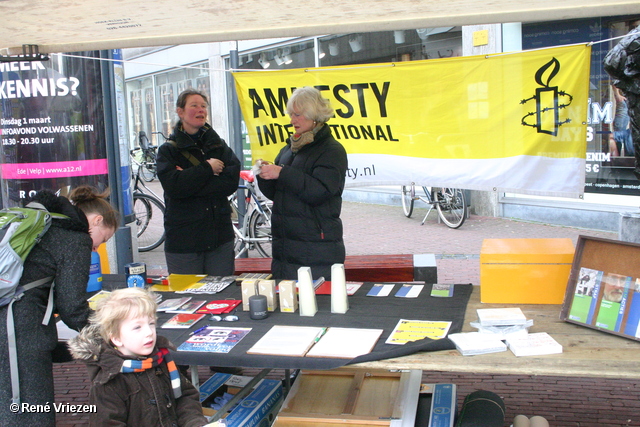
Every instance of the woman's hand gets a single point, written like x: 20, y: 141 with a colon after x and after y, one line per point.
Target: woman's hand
x: 270, y: 171
x: 216, y: 165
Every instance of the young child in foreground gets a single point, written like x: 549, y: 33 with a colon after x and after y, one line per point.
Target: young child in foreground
x: 134, y: 381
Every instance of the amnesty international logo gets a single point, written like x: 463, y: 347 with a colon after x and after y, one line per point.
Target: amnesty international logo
x: 549, y: 101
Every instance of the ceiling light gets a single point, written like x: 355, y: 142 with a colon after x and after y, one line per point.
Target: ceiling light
x: 356, y: 43
x: 398, y: 36
x: 286, y: 55
x: 321, y: 53
x: 334, y: 50
x: 263, y: 61
x: 277, y: 58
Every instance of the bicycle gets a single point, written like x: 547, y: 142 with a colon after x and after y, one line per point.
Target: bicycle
x: 255, y: 231
x: 149, y: 211
x: 449, y: 202
x: 145, y: 157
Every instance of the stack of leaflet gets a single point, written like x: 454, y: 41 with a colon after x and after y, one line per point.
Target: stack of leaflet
x: 502, y: 322
x: 494, y: 325
x: 472, y: 343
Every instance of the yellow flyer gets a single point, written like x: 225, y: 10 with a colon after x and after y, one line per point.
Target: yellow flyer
x: 414, y: 330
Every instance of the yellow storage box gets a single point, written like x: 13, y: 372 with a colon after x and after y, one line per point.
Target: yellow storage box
x: 525, y: 271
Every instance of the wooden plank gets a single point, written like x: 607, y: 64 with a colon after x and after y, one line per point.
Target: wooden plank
x: 586, y: 352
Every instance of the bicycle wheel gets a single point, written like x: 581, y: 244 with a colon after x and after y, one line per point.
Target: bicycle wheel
x: 148, y: 171
x: 408, y: 192
x: 260, y: 228
x: 149, y: 213
x: 451, y: 206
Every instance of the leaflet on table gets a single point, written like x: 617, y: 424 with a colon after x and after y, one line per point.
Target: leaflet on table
x: 220, y: 306
x: 188, y: 307
x: 172, y: 303
x: 182, y: 321
x: 442, y: 290
x: 409, y: 291
x: 214, y: 339
x: 209, y: 285
x: 414, y: 330
x: 380, y: 290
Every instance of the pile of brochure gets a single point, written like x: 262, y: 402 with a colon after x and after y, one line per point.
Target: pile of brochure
x: 502, y: 328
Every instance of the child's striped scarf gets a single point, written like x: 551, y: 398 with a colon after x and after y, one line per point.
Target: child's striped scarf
x: 162, y: 355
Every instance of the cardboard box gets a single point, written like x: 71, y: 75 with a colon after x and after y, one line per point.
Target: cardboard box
x: 351, y: 397
x: 268, y: 289
x: 525, y: 271
x: 288, y: 296
x: 248, y: 289
x: 259, y: 408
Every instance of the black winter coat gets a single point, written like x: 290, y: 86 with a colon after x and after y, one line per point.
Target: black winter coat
x: 197, y: 216
x: 64, y: 253
x: 307, y: 200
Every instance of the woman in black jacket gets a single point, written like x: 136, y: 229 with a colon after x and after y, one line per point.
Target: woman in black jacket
x: 306, y: 184
x: 198, y: 171
x: 65, y: 254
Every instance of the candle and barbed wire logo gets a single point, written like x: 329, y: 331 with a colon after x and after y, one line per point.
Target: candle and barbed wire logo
x: 549, y: 101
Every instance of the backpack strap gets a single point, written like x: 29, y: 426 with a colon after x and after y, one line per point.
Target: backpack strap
x: 185, y: 153
x: 11, y: 333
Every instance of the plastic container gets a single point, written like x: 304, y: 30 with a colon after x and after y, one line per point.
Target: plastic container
x: 95, y: 274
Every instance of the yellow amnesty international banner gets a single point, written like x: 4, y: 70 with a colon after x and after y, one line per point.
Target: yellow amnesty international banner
x: 505, y: 122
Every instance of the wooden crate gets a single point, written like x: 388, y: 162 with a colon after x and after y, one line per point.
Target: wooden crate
x: 366, y: 268
x: 358, y: 398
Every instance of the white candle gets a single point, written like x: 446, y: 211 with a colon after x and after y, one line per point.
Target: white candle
x: 339, y: 301
x: 306, y: 294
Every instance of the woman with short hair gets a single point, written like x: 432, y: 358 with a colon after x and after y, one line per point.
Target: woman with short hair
x: 305, y: 183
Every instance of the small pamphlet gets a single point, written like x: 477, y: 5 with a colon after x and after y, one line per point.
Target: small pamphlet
x: 209, y: 285
x: 471, y: 343
x: 220, y: 306
x: 379, y: 290
x: 352, y: 287
x: 214, y: 339
x: 409, y: 291
x: 182, y: 321
x: 501, y: 316
x: 414, y: 330
x: 535, y: 344
x: 172, y: 303
x: 93, y: 301
x: 188, y: 307
x: 442, y: 290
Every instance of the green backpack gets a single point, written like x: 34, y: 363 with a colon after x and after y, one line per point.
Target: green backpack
x: 20, y: 230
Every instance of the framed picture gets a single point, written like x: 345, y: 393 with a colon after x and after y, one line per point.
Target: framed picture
x: 603, y: 292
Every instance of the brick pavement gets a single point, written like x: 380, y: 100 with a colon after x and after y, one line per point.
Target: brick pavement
x: 378, y: 229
